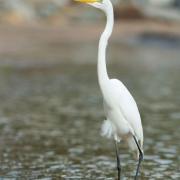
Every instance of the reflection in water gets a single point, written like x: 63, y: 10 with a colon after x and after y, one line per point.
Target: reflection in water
x: 50, y: 120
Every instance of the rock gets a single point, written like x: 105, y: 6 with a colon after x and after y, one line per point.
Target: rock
x: 128, y: 12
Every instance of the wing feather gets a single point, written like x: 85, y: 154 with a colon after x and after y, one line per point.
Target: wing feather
x: 128, y: 107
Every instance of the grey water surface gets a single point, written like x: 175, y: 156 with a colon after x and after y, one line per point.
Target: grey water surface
x: 51, y: 114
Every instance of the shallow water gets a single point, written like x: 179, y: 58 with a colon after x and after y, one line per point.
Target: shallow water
x: 50, y: 117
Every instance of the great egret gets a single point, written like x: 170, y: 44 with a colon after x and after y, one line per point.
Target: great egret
x: 123, y: 118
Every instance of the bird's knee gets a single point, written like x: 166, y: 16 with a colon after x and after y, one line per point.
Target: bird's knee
x: 141, y: 156
x: 119, y: 168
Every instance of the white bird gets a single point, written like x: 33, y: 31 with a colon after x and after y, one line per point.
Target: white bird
x: 123, y: 118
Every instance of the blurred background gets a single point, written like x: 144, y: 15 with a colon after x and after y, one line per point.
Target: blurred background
x: 51, y: 106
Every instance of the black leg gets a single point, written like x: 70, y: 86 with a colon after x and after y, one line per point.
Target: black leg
x: 140, y: 158
x: 118, y: 160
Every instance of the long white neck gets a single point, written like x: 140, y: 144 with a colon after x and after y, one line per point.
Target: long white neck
x: 102, y: 69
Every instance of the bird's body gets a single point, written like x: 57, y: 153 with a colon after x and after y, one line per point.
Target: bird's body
x: 122, y: 113
x: 123, y: 120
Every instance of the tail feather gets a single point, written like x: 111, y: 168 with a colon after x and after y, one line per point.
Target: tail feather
x: 132, y: 145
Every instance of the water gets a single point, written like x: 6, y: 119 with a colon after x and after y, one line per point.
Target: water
x: 50, y: 116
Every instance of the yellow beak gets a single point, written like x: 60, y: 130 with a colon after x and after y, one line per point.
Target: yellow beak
x: 87, y: 1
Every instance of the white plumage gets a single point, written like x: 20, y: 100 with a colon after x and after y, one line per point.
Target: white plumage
x: 123, y: 116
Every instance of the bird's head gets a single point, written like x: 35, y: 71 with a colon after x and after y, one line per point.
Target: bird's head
x: 100, y: 4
